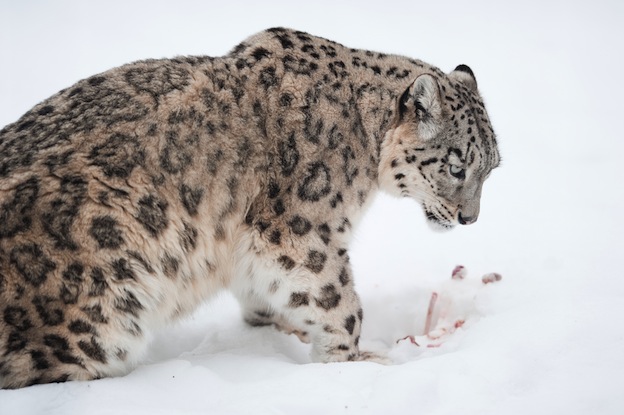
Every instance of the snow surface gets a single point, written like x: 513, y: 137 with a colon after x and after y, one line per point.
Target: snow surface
x: 547, y: 339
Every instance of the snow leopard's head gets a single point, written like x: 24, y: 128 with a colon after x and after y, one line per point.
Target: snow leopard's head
x: 440, y: 148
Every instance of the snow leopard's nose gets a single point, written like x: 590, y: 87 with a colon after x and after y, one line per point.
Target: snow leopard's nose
x: 466, y: 220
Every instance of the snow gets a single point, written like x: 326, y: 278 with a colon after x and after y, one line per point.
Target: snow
x: 546, y: 339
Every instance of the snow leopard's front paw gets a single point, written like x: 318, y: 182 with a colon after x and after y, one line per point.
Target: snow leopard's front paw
x: 365, y: 356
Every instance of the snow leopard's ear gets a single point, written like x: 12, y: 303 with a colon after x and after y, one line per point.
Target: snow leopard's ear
x: 464, y: 74
x: 422, y: 100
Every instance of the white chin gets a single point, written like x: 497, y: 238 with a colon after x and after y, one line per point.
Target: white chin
x: 438, y: 226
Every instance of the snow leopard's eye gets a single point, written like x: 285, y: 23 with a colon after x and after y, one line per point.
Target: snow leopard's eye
x: 457, y: 172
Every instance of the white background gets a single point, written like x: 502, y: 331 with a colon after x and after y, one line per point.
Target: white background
x: 548, y: 339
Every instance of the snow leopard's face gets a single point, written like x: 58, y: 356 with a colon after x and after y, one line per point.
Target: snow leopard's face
x: 441, y: 148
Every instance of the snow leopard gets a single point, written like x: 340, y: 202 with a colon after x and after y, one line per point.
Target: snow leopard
x: 135, y: 195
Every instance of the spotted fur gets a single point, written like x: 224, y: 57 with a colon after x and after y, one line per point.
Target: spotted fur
x: 134, y: 195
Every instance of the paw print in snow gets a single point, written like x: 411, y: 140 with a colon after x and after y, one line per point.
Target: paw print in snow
x: 450, y: 306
